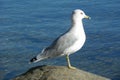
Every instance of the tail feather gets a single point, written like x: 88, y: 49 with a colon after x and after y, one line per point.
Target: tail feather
x: 39, y: 57
x: 36, y: 59
x: 33, y: 59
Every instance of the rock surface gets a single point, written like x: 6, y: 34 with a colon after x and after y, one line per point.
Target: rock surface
x: 57, y: 73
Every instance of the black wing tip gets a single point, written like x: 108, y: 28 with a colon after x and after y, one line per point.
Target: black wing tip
x: 33, y: 59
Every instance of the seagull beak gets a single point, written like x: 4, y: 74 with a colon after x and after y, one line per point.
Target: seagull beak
x: 87, y: 17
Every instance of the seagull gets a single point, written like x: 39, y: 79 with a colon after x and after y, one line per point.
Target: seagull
x: 68, y: 43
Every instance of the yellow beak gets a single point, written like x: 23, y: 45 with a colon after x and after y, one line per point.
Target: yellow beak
x: 87, y: 17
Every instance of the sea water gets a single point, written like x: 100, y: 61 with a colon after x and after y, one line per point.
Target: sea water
x: 28, y: 26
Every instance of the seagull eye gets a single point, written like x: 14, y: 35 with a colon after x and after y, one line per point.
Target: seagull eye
x: 81, y: 13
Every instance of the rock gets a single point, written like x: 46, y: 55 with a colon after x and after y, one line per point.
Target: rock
x: 57, y: 73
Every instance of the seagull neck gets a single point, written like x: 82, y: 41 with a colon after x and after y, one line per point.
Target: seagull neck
x: 77, y: 25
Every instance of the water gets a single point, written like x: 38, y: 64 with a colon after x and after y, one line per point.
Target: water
x: 26, y: 27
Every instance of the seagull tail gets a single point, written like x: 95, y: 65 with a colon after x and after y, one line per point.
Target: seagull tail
x: 37, y: 58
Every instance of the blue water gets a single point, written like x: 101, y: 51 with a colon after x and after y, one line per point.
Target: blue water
x: 28, y: 26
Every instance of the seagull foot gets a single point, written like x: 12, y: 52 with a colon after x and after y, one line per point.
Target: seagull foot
x: 71, y: 67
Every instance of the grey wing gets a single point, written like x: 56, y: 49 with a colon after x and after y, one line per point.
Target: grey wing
x: 61, y: 43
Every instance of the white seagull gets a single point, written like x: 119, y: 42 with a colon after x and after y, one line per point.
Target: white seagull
x: 68, y: 43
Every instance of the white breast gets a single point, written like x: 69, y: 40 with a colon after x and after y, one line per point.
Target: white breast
x: 77, y: 45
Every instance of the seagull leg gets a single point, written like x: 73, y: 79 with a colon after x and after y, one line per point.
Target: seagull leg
x: 68, y: 61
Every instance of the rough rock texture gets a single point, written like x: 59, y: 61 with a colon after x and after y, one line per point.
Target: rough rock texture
x: 57, y: 73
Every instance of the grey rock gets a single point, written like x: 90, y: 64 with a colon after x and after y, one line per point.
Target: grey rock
x: 57, y: 73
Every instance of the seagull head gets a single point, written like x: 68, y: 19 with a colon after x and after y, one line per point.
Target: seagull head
x: 79, y: 15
